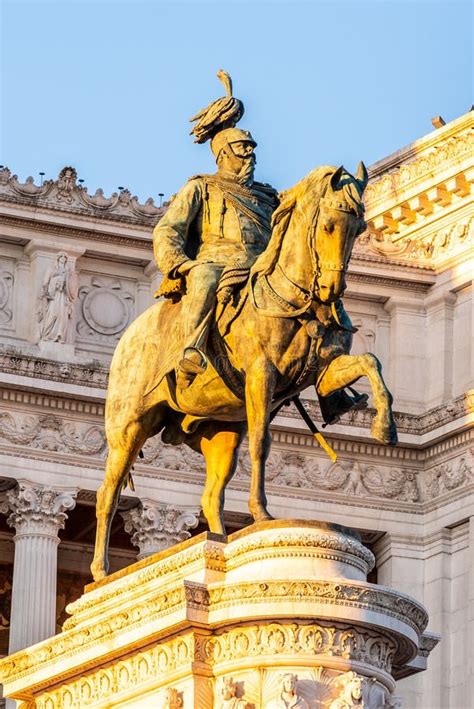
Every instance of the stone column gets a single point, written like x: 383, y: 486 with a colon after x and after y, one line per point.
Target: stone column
x: 37, y: 513
x: 155, y: 527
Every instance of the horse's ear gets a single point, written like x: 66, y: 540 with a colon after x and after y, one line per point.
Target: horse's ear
x: 336, y: 177
x: 362, y: 176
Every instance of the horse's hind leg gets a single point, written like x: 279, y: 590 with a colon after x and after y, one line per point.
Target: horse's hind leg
x: 344, y: 371
x: 219, y: 447
x: 123, y: 450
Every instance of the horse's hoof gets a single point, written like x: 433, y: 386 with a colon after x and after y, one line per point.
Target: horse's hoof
x: 261, y: 515
x: 386, y: 434
x: 98, y: 571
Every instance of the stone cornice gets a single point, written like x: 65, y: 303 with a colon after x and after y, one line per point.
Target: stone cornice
x: 65, y: 195
x: 95, y: 376
x: 423, y: 144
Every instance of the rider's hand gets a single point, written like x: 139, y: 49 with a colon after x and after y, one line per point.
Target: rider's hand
x: 186, y: 267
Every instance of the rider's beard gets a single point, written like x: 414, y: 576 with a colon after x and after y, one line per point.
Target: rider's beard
x: 247, y: 171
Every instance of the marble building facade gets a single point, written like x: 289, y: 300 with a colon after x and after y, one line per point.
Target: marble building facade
x: 75, y: 269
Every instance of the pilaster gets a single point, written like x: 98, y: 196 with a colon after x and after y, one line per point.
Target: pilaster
x: 37, y: 514
x: 407, y: 352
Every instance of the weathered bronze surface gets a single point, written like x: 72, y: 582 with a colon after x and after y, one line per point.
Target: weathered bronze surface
x: 200, y: 371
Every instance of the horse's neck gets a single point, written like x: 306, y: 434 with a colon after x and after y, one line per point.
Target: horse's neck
x: 295, y: 258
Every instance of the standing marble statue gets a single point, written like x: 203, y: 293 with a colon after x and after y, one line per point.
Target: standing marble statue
x: 58, y: 295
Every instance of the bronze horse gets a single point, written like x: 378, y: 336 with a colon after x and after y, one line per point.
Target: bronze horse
x: 285, y: 336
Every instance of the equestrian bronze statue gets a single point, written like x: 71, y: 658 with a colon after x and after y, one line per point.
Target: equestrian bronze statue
x: 252, y: 315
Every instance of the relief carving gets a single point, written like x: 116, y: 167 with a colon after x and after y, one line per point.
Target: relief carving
x: 105, y: 309
x: 6, y: 289
x: 288, y: 694
x: 450, y: 475
x: 350, y: 477
x: 312, y: 639
x: 57, y: 299
x: 351, y: 687
x: 52, y: 434
x: 173, y: 699
x: 14, y: 362
x: 231, y: 695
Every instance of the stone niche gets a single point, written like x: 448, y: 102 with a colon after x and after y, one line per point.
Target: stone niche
x: 277, y: 615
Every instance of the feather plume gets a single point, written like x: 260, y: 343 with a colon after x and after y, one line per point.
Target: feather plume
x: 223, y: 113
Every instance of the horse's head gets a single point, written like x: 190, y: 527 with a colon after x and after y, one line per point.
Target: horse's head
x: 337, y: 223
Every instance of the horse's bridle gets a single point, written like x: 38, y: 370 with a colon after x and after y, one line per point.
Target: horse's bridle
x: 317, y: 266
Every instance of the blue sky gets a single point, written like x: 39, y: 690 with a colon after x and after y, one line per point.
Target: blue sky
x: 109, y: 85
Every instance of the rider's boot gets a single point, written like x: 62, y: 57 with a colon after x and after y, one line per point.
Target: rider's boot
x: 194, y: 362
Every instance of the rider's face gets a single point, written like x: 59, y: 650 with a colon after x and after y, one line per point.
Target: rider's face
x: 244, y: 159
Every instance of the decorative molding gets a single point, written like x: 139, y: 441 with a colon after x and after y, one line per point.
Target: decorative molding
x: 313, y: 639
x: 147, y: 667
x: 332, y: 545
x: 394, y: 183
x: 349, y: 595
x: 155, y: 527
x: 351, y: 477
x: 416, y: 424
x: 427, y: 251
x: 34, y: 509
x: 81, y: 609
x: 65, y: 195
x: 48, y: 432
x: 93, y: 374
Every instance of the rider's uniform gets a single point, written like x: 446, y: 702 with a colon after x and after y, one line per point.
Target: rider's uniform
x: 216, y: 221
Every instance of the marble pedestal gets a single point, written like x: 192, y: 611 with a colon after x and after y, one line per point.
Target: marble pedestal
x: 279, y: 614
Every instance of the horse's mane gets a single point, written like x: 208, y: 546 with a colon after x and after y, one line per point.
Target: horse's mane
x: 316, y: 182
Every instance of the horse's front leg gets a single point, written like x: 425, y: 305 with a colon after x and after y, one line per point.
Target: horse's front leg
x: 259, y: 387
x: 344, y: 371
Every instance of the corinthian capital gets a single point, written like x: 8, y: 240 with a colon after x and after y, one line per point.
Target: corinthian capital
x: 155, y: 527
x: 35, y: 509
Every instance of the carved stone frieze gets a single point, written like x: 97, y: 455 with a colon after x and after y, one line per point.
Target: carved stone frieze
x: 311, y: 639
x: 64, y: 194
x: 351, y: 477
x: 392, y: 181
x: 344, y: 594
x: 34, y: 509
x: 13, y: 361
x: 155, y: 527
x: 51, y: 433
x: 128, y: 674
x: 406, y: 423
x: 449, y: 476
